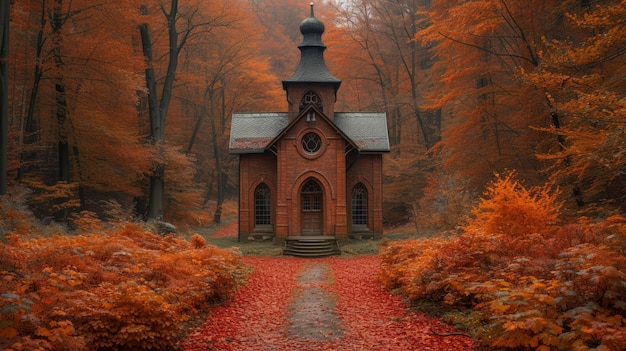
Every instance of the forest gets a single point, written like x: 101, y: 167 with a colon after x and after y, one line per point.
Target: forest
x: 507, y: 124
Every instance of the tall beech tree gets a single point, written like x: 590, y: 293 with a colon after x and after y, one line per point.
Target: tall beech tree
x: 583, y: 78
x: 195, y: 19
x: 82, y: 72
x: 479, y: 49
x: 4, y: 94
x: 225, y: 74
x: 395, y: 66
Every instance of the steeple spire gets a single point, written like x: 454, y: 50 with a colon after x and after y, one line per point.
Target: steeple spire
x: 312, y: 68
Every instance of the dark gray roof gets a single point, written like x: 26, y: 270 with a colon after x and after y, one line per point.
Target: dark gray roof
x: 253, y: 132
x: 367, y: 129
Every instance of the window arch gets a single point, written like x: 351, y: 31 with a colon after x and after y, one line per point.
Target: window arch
x: 310, y: 98
x: 359, y: 205
x: 311, y: 186
x: 262, y: 202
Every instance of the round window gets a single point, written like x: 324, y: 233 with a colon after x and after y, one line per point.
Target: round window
x: 311, y: 143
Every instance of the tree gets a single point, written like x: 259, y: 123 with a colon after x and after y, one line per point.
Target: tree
x: 195, y: 21
x: 4, y: 93
x: 226, y: 72
x: 82, y: 74
x: 479, y: 49
x: 583, y: 78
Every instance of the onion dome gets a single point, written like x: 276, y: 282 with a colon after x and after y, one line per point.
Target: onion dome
x: 312, y: 68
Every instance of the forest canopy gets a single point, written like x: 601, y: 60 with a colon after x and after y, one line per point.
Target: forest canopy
x: 131, y: 101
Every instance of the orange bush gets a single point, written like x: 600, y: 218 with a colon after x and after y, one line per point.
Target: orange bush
x: 539, y: 284
x: 121, y: 290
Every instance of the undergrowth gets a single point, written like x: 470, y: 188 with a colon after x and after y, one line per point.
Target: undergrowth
x: 537, y: 282
x: 122, y: 288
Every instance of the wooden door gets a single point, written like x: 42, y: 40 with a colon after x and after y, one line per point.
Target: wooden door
x: 311, y: 208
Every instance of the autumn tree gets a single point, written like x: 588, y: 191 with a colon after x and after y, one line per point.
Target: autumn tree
x: 79, y: 68
x: 479, y: 49
x: 582, y: 77
x: 4, y: 93
x: 234, y: 78
x: 195, y: 19
x: 384, y: 69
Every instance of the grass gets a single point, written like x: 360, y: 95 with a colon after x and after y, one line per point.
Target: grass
x: 267, y: 247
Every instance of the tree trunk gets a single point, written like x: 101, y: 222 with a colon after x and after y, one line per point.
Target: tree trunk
x: 157, y: 182
x: 30, y: 126
x: 159, y: 113
x: 217, y: 217
x: 4, y: 94
x: 63, y: 146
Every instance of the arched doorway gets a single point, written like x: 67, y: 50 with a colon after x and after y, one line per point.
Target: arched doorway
x: 311, y: 204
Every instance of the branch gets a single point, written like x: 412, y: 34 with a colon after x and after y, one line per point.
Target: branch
x: 486, y: 50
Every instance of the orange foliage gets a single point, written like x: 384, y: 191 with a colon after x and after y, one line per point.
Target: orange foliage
x: 539, y: 285
x: 125, y: 289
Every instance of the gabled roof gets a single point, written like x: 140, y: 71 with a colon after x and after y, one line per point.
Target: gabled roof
x: 252, y: 132
x: 306, y: 111
x: 367, y: 129
x: 255, y: 132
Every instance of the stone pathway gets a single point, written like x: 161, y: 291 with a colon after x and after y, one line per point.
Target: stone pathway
x: 311, y: 312
x: 334, y: 303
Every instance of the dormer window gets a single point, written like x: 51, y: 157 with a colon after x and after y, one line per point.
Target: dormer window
x: 310, y: 98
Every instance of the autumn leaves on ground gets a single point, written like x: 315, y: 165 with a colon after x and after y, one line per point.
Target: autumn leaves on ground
x: 260, y: 315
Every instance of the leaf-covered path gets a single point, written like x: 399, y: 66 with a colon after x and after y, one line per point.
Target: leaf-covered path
x: 347, y: 310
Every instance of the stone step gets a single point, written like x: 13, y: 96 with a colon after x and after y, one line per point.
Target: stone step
x: 311, y: 246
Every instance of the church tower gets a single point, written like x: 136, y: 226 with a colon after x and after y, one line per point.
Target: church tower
x: 311, y: 82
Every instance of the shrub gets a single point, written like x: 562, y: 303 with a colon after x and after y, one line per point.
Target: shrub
x: 121, y: 290
x: 539, y: 284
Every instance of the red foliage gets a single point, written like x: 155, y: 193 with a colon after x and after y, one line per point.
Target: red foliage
x: 227, y: 231
x: 539, y: 284
x: 256, y: 316
x: 127, y: 289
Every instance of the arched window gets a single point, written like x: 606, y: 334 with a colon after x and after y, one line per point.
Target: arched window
x: 359, y: 206
x: 262, y: 207
x: 310, y: 98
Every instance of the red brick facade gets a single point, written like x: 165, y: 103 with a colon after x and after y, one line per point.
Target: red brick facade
x: 289, y: 166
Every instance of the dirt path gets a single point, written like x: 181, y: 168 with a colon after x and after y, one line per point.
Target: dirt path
x: 318, y: 304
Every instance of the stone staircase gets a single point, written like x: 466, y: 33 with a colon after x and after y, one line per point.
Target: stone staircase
x: 311, y: 246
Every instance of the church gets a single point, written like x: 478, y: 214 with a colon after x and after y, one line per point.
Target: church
x: 311, y: 175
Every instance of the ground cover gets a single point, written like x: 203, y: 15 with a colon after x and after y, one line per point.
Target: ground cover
x: 259, y: 316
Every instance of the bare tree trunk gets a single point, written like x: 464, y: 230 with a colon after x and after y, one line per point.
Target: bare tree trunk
x: 157, y: 184
x: 158, y: 114
x: 4, y: 94
x: 217, y: 217
x: 30, y: 126
x: 63, y: 147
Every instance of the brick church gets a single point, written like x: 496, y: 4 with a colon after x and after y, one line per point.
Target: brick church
x: 310, y: 172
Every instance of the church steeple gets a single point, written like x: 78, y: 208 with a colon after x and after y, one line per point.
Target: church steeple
x: 312, y: 68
